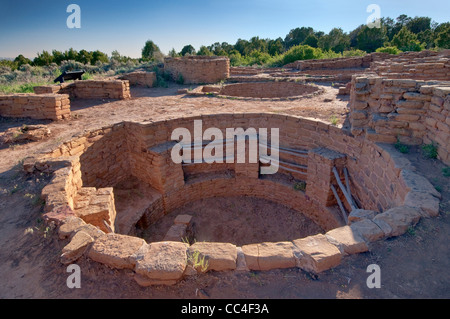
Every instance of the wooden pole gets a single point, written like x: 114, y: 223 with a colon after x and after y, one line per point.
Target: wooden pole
x: 340, y: 204
x: 347, y: 196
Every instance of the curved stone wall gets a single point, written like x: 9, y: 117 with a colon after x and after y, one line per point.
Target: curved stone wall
x: 268, y: 90
x: 80, y: 198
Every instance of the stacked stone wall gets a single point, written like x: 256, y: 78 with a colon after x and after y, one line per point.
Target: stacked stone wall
x: 140, y: 78
x: 198, y: 69
x: 427, y: 65
x: 44, y: 106
x: 90, y: 89
x: 408, y: 111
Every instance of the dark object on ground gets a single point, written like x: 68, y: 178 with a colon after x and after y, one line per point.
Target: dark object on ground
x: 74, y: 75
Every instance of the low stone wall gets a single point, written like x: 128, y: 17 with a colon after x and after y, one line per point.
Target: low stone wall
x: 402, y: 64
x: 282, y: 90
x: 427, y: 65
x: 140, y: 78
x: 198, y: 69
x: 380, y: 179
x: 90, y: 89
x: 409, y: 111
x: 338, y: 63
x: 50, y: 89
x: 44, y: 106
x: 249, y: 70
x: 269, y: 90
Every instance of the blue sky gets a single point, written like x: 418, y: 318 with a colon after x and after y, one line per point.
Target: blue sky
x: 28, y: 27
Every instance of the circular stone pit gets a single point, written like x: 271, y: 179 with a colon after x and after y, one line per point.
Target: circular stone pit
x: 92, y: 170
x: 266, y: 90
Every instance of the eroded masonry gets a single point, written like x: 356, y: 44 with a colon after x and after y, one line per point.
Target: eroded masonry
x: 355, y: 188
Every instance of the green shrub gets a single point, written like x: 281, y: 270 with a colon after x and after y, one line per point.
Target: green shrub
x: 430, y: 150
x: 20, y: 88
x: 353, y: 52
x: 300, y: 186
x: 414, y: 46
x: 446, y: 171
x: 235, y: 59
x: 330, y: 54
x: 301, y: 52
x: 257, y: 58
x: 402, y: 148
x: 334, y: 120
x: 180, y: 79
x: 390, y: 50
x: 86, y: 76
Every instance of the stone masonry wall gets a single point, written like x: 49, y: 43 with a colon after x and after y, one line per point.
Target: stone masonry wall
x: 45, y: 106
x: 421, y: 66
x: 374, y: 59
x: 368, y: 170
x: 409, y: 111
x: 122, y: 151
x: 268, y: 89
x: 338, y: 63
x: 90, y: 89
x: 140, y: 78
x: 198, y: 69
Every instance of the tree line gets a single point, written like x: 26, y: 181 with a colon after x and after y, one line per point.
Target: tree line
x: 394, y: 35
x: 46, y: 58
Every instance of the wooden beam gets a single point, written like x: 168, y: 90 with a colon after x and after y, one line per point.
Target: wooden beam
x: 347, y: 183
x: 344, y: 191
x: 344, y: 213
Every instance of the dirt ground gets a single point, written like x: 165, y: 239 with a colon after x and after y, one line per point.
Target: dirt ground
x: 414, y: 265
x: 237, y: 220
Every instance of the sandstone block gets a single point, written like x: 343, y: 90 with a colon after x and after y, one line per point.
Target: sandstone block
x: 399, y: 219
x: 380, y: 138
x: 76, y: 248
x: 360, y: 214
x: 368, y: 230
x: 162, y: 261
x: 220, y: 256
x: 266, y: 256
x: 426, y: 202
x: 348, y: 241
x: 69, y: 226
x: 358, y: 115
x: 416, y: 96
x: 92, y: 230
x: 116, y: 250
x: 317, y: 254
x: 419, y: 183
x: 58, y: 213
x: 359, y: 105
x: 176, y: 233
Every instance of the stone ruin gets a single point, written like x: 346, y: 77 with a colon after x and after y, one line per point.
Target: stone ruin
x: 386, y: 196
x: 140, y: 78
x: 53, y: 101
x: 264, y: 91
x: 358, y: 188
x: 198, y: 69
